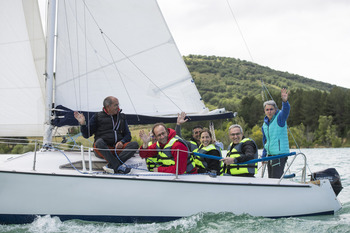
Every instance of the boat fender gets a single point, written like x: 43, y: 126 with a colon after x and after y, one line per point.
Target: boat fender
x: 330, y: 174
x: 289, y: 176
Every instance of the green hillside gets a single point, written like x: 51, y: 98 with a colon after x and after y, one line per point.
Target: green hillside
x: 224, y: 82
x: 320, y: 112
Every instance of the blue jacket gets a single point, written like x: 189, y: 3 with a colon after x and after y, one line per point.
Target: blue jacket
x: 282, y: 117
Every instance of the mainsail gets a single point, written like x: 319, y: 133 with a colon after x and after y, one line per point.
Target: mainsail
x: 123, y: 49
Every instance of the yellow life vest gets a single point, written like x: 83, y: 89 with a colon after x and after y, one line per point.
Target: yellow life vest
x: 200, y: 161
x: 166, y: 159
x: 236, y: 169
x: 151, y: 162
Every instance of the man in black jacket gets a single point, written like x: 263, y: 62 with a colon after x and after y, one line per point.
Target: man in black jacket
x: 112, y: 135
x: 241, y: 150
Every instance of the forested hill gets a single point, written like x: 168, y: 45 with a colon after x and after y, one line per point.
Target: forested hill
x: 320, y: 112
x: 224, y: 81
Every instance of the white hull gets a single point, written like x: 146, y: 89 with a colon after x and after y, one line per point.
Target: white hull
x: 145, y: 197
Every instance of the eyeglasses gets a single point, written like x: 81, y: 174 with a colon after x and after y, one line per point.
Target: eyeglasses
x: 235, y: 134
x: 161, y: 134
x: 269, y: 109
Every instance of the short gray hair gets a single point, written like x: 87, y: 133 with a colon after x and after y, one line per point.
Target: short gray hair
x: 107, y: 101
x: 235, y: 126
x: 270, y: 102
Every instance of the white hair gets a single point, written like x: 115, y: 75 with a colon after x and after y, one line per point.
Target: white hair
x: 235, y: 126
x: 270, y: 102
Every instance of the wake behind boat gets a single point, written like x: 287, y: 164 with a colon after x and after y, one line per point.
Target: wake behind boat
x: 123, y: 49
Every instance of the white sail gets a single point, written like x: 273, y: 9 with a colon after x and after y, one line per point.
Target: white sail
x: 22, y: 60
x: 133, y: 57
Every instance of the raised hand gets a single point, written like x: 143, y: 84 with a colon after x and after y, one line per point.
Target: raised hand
x: 284, y: 94
x: 80, y: 118
x: 145, y: 137
x: 181, y: 118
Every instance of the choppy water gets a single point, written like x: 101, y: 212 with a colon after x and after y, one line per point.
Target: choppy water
x: 318, y: 159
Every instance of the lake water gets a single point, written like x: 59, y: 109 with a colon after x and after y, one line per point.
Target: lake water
x: 318, y: 159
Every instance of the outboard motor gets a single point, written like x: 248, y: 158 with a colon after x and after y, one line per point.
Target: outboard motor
x: 330, y: 174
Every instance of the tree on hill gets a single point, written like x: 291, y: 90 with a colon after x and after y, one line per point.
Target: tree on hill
x: 236, y: 85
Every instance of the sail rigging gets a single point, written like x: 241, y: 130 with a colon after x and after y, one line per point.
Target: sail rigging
x: 119, y: 48
x: 132, y: 56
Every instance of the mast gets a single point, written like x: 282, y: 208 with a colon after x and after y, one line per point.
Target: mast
x: 50, y: 41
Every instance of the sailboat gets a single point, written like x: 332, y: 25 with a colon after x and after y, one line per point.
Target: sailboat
x: 121, y: 48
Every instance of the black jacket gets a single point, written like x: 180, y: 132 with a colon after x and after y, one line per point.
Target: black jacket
x: 111, y: 129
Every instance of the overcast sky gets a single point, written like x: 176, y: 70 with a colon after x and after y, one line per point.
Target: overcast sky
x: 310, y: 38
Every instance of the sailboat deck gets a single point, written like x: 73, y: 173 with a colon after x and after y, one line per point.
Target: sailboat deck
x: 60, y: 163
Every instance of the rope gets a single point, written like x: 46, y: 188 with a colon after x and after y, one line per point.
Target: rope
x: 86, y: 71
x: 70, y: 161
x: 240, y: 31
x: 136, y: 168
x: 206, y: 156
x: 268, y: 158
x: 70, y: 52
x: 118, y: 174
x: 265, y: 92
x: 105, y: 36
x: 77, y: 52
x: 116, y: 154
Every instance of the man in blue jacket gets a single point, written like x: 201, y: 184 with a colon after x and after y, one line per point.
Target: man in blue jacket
x: 275, y: 134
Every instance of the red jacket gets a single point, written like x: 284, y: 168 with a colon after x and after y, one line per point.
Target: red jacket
x: 177, y: 145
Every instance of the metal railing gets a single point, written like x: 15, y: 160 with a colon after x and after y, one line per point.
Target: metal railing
x: 303, y: 174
